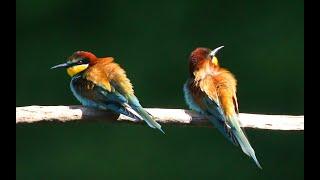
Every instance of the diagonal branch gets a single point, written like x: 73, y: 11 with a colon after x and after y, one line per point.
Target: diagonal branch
x: 32, y: 114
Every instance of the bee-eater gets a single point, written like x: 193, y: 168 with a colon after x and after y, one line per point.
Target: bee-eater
x: 101, y: 83
x: 211, y: 91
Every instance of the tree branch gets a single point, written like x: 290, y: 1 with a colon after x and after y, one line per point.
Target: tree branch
x: 32, y: 114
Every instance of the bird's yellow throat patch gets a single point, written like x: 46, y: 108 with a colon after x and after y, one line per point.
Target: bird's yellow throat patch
x: 214, y: 61
x: 76, y: 69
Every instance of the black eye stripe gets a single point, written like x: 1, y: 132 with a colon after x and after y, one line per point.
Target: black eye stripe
x: 78, y: 61
x: 82, y: 61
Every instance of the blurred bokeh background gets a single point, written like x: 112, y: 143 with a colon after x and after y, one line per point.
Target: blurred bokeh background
x: 264, y: 48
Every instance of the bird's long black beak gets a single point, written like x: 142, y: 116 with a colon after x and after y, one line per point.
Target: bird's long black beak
x: 60, y: 66
x: 214, y: 52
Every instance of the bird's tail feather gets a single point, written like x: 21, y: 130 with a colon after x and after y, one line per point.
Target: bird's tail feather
x: 149, y: 120
x: 121, y: 110
x: 244, y: 142
x: 135, y: 105
x: 223, y: 129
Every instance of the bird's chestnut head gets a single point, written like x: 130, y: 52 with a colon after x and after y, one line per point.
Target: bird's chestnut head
x: 202, y: 55
x: 78, y: 62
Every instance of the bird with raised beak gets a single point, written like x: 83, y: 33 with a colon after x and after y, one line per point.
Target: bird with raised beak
x: 211, y: 90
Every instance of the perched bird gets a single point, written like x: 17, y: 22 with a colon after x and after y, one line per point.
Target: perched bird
x: 101, y: 83
x: 211, y: 91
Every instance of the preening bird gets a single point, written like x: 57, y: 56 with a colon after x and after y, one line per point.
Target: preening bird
x: 101, y: 83
x: 211, y: 90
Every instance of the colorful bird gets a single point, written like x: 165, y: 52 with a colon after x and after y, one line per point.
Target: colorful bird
x: 101, y: 83
x: 211, y: 91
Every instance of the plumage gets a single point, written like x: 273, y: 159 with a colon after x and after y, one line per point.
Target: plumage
x: 211, y: 90
x: 101, y: 83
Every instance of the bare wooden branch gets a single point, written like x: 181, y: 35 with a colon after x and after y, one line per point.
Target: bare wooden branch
x: 32, y: 114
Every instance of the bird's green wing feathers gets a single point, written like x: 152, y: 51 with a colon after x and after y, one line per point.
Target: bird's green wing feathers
x: 214, y: 110
x: 129, y: 103
x: 229, y: 126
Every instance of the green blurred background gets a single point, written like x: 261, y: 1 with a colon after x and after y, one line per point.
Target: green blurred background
x: 264, y: 48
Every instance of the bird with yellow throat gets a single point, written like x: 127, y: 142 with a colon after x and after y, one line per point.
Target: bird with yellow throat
x: 211, y: 90
x: 101, y: 83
